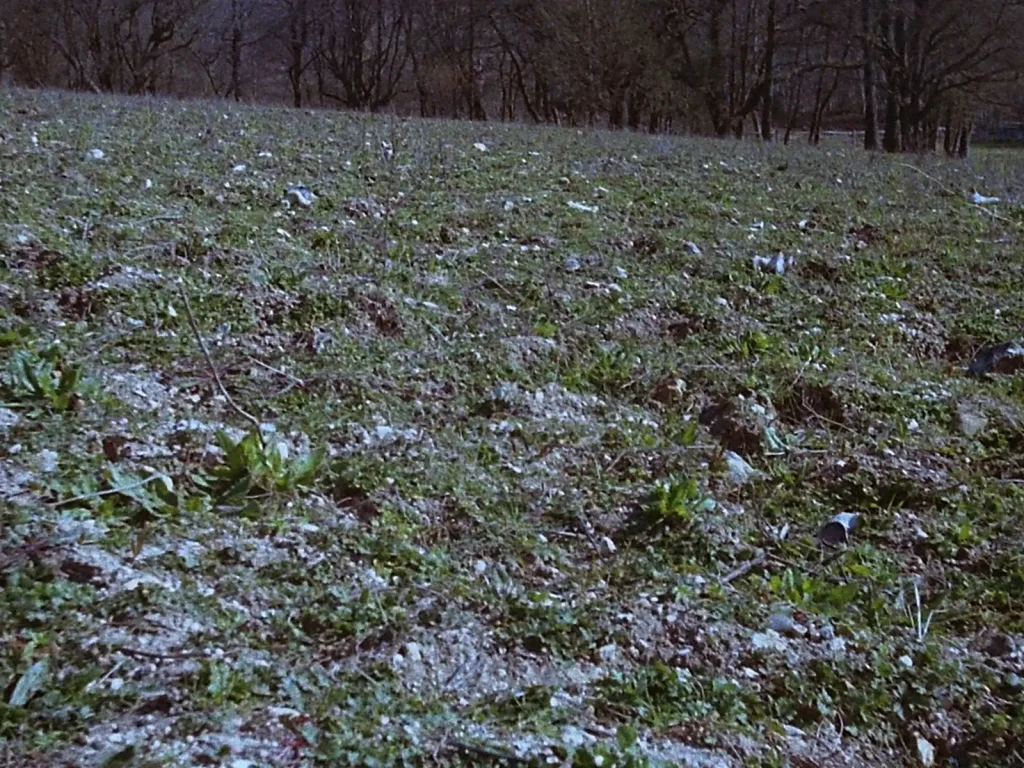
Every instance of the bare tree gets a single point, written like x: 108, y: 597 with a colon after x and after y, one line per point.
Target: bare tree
x: 454, y: 51
x: 293, y: 24
x: 867, y: 22
x: 727, y: 51
x: 769, y: 72
x: 233, y: 28
x: 121, y: 45
x: 907, y: 71
x: 362, y: 47
x: 930, y: 48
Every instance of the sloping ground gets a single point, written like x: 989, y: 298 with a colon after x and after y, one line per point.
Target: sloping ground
x: 542, y: 455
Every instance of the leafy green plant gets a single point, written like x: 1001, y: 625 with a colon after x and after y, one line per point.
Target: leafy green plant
x: 154, y: 494
x: 543, y: 623
x: 826, y: 597
x: 623, y: 752
x: 659, y: 696
x: 752, y: 344
x: 251, y: 468
x: 45, y: 379
x: 678, y: 500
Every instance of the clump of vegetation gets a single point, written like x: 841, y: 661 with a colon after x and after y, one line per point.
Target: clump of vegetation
x: 253, y: 467
x: 43, y: 379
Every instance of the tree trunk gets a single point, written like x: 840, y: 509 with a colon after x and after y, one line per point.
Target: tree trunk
x: 422, y: 92
x: 907, y: 128
x: 948, y: 137
x: 235, y: 89
x: 299, y: 29
x: 901, y: 84
x: 891, y: 120
x: 891, y: 134
x: 870, y: 118
x: 932, y: 132
x: 769, y: 67
x: 814, y: 129
x: 634, y: 108
x: 964, y: 139
x: 795, y: 97
x: 714, y: 91
x: 654, y: 122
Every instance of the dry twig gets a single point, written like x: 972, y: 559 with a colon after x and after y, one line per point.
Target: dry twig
x: 744, y: 569
x: 213, y: 369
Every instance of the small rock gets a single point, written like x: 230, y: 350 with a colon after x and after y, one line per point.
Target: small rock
x: 739, y: 470
x: 300, y: 195
x: 8, y: 419
x: 95, y: 154
x: 969, y: 421
x: 785, y: 625
x: 609, y: 653
x: 692, y: 248
x: 414, y: 652
x: 576, y: 206
x: 1000, y: 644
x: 621, y: 273
x: 793, y: 732
x: 606, y: 545
x: 47, y: 460
x: 925, y: 752
x: 768, y: 641
x: 574, y: 737
x: 571, y: 264
x: 837, y: 645
x: 480, y: 146
x: 776, y: 263
x: 240, y: 168
x: 906, y: 661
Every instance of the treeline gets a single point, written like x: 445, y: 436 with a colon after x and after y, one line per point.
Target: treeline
x: 911, y: 74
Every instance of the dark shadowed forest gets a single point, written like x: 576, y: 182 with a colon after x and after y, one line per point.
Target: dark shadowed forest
x: 910, y: 75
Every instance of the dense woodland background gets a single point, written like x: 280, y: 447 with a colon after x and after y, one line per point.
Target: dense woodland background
x: 912, y: 75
